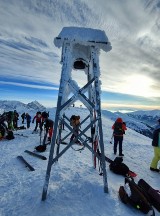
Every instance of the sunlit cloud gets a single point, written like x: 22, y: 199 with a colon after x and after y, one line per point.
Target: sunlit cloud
x: 134, y: 84
x: 129, y: 106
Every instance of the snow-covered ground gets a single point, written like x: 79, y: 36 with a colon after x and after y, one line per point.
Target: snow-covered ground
x: 75, y: 187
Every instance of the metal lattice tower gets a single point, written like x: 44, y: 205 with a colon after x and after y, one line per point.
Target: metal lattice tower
x: 80, y: 50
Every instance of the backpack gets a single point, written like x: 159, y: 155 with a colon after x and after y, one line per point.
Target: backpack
x: 133, y: 195
x: 153, y: 194
x: 40, y: 148
x: 118, y: 129
x: 74, y: 120
x: 118, y: 167
x: 10, y: 135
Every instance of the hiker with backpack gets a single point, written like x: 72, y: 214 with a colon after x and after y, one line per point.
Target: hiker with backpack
x: 75, y: 123
x: 118, y: 131
x: 156, y: 146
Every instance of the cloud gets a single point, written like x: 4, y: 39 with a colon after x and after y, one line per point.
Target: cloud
x: 29, y: 85
x: 37, y: 41
x: 28, y: 28
x: 17, y: 45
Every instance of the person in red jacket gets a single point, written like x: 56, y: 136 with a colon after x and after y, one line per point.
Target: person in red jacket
x: 119, y: 128
x: 39, y: 121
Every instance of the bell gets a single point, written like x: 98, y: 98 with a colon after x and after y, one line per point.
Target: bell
x: 79, y: 64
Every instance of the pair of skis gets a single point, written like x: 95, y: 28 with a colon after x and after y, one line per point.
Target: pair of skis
x: 28, y: 165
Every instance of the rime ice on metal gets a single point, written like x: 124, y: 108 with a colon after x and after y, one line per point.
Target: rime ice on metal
x: 80, y: 51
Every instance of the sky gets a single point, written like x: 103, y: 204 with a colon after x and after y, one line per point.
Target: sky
x: 75, y: 187
x: 30, y: 66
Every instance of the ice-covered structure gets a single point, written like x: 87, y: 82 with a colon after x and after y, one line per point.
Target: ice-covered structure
x: 80, y: 50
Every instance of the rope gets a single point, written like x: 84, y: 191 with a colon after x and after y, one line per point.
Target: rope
x: 80, y: 149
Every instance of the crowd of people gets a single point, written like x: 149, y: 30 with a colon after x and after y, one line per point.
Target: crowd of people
x: 9, y: 123
x: 42, y: 119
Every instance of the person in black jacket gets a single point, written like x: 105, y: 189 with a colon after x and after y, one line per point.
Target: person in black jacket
x: 28, y: 120
x: 23, y: 117
x: 156, y: 146
x: 15, y: 119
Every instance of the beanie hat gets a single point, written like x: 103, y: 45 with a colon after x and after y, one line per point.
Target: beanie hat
x: 119, y: 120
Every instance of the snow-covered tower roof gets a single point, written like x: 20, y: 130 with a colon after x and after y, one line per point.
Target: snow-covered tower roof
x: 82, y: 40
x: 84, y: 36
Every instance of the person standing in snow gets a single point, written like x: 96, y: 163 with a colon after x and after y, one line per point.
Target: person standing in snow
x: 23, y: 117
x: 118, y: 130
x: 28, y: 120
x: 15, y: 119
x: 156, y: 146
x: 75, y: 123
x: 39, y: 121
x: 49, y: 124
x: 10, y: 117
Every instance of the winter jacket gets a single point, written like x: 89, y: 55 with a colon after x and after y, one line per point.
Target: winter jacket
x: 156, y: 137
x: 49, y: 123
x: 119, y: 127
x: 28, y: 118
x: 38, y: 118
x: 23, y: 115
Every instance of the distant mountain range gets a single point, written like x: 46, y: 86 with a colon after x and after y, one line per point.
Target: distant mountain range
x: 6, y: 106
x: 149, y: 117
x: 142, y: 122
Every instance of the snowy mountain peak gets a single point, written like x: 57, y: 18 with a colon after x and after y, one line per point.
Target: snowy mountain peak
x: 33, y: 106
x: 36, y: 106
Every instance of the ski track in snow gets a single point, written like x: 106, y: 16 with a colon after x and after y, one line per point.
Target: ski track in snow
x: 75, y: 188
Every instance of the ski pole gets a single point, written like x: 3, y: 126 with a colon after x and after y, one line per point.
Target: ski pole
x: 111, y: 139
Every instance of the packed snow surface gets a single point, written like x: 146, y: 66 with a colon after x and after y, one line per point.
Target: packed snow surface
x: 75, y: 187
